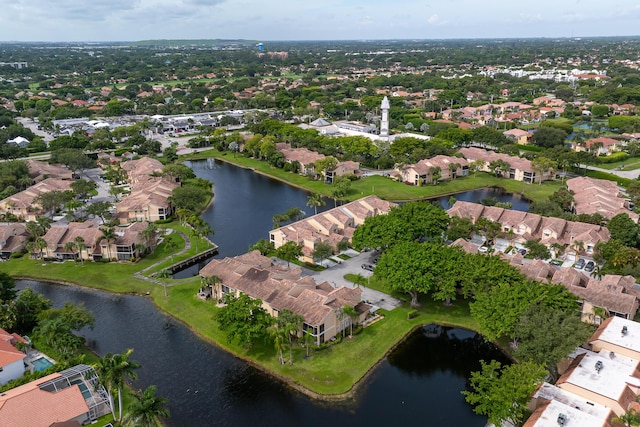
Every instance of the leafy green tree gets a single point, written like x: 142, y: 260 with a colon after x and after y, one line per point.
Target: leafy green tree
x: 502, y: 393
x: 549, y: 137
x: 264, y: 246
x: 624, y: 229
x: 178, y: 172
x: 499, y: 167
x: 405, y: 223
x: 498, y: 309
x: 537, y: 249
x: 289, y: 251
x: 56, y: 326
x: 28, y: 305
x: 630, y: 418
x: 483, y: 272
x: 243, y: 319
x: 145, y: 408
x: 546, y: 335
x: 189, y: 197
x: 418, y: 268
x: 542, y: 166
x: 322, y: 250
x: 82, y: 188
x: 7, y: 287
x: 101, y: 210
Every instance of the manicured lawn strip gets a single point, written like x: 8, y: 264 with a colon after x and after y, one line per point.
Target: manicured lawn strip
x: 610, y: 177
x: 113, y: 277
x: 331, y: 371
x: 629, y: 164
x: 387, y: 188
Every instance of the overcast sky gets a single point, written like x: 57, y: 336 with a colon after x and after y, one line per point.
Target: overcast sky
x: 116, y: 20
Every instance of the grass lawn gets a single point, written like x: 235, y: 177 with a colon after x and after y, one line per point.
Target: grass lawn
x: 331, y: 371
x: 386, y: 188
x: 113, y: 277
x: 629, y: 164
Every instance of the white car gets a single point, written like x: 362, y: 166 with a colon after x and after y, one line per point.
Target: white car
x: 483, y: 249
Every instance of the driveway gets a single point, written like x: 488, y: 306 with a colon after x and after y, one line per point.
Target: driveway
x: 335, y: 276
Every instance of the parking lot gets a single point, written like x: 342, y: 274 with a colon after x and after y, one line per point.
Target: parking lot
x: 335, y: 276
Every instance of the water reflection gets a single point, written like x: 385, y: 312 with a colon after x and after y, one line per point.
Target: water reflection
x: 421, y: 380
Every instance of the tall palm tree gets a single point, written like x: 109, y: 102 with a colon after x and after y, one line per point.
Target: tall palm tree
x: 351, y: 312
x: 145, y: 408
x: 70, y: 247
x: 315, y: 200
x: 279, y: 338
x: 40, y: 244
x: 109, y: 234
x: 163, y: 275
x: 149, y: 234
x: 123, y: 367
x: 104, y: 370
x: 80, y: 245
x: 170, y: 245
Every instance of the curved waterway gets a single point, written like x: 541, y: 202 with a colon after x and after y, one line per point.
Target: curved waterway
x: 420, y: 381
x: 245, y: 203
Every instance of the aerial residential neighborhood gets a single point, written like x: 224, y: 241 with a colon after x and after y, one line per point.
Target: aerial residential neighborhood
x: 401, y: 217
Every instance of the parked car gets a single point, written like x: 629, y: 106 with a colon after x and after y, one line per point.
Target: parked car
x: 556, y: 262
x: 580, y: 263
x: 483, y: 249
x: 590, y: 266
x: 522, y: 251
x: 368, y: 267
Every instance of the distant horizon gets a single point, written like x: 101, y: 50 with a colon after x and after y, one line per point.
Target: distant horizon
x: 137, y: 20
x: 360, y: 40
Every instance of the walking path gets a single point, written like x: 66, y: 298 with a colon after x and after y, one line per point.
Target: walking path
x: 139, y: 274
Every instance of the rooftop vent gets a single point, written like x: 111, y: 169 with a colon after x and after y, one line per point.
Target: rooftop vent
x: 612, y: 355
x: 624, y: 330
x: 562, y: 419
x: 599, y: 366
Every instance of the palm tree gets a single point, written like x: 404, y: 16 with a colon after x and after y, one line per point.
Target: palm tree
x: 577, y: 246
x: 70, y: 246
x: 40, y: 244
x: 164, y: 275
x: 630, y: 418
x: 105, y: 371
x: 170, y: 245
x: 315, y: 200
x: 149, y: 234
x: 122, y: 367
x: 109, y: 234
x: 351, y: 312
x: 31, y: 248
x: 279, y: 338
x: 80, y: 245
x: 145, y: 408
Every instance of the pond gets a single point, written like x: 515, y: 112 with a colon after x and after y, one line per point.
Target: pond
x: 245, y: 203
x: 421, y: 380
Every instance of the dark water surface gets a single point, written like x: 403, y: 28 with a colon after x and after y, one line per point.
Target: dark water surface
x: 245, y: 203
x: 420, y: 382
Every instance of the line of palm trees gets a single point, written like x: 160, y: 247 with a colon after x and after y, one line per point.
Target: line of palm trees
x: 200, y: 229
x: 146, y: 406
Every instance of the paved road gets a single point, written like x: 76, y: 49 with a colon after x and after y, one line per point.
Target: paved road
x: 630, y: 174
x: 335, y: 276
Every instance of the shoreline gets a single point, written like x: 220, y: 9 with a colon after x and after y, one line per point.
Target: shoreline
x: 351, y: 394
x: 308, y: 190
